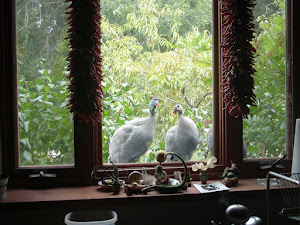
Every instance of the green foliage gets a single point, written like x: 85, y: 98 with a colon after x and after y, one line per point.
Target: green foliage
x: 41, y: 28
x: 142, y: 62
x: 264, y: 131
x: 46, y: 127
x: 150, y: 48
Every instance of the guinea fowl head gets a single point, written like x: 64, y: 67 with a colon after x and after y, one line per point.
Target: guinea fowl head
x: 153, y: 104
x: 178, y: 109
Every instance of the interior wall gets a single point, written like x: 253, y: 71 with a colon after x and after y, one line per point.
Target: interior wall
x: 0, y: 153
x: 190, y: 211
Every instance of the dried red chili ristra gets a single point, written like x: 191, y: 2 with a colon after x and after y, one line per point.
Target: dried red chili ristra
x: 84, y: 35
x: 238, y: 56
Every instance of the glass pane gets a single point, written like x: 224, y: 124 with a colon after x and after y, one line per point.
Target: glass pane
x: 156, y: 48
x: 45, y: 124
x: 264, y: 130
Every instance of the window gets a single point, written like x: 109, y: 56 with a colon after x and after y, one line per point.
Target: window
x: 227, y: 138
x: 45, y: 123
x: 288, y: 102
x: 264, y: 131
x: 251, y: 165
x: 156, y: 49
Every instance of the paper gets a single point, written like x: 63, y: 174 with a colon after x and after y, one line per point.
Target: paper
x: 209, y: 188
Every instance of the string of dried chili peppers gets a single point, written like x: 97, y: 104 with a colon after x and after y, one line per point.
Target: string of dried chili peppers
x: 238, y: 56
x: 84, y: 35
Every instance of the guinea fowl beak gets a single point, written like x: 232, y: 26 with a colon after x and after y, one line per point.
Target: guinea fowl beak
x: 175, y: 110
x: 158, y: 99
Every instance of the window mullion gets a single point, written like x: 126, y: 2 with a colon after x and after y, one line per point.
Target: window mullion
x: 290, y: 117
x: 87, y: 148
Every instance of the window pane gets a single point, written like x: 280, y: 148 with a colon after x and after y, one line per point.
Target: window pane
x: 264, y: 130
x: 156, y: 48
x: 45, y: 124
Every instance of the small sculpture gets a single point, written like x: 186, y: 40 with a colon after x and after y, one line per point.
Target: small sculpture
x: 230, y: 175
x: 160, y: 175
x: 113, y: 184
x: 147, y: 179
x: 135, y: 186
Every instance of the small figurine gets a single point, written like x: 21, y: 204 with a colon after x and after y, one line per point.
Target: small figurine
x: 230, y: 175
x: 167, y: 186
x: 113, y: 184
x: 135, y: 186
x: 160, y: 175
x: 147, y: 179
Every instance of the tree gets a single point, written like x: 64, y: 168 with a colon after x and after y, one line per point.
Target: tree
x: 265, y: 129
x: 150, y: 48
x: 41, y: 33
x: 46, y: 131
x: 140, y: 62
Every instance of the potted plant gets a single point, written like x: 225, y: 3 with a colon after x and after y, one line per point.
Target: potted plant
x: 109, y: 178
x: 207, y: 163
x: 116, y: 183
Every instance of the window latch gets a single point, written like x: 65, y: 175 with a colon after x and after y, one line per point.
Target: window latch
x: 274, y: 164
x: 42, y: 174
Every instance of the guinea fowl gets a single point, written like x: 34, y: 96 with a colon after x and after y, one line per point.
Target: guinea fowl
x: 183, y: 137
x: 210, y: 143
x: 132, y: 140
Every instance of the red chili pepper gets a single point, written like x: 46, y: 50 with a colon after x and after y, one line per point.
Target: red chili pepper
x: 237, y: 53
x: 85, y: 60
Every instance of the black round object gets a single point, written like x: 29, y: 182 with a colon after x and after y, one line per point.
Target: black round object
x: 254, y: 220
x: 237, y: 214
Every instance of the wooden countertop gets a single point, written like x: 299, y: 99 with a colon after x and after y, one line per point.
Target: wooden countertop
x: 95, y: 193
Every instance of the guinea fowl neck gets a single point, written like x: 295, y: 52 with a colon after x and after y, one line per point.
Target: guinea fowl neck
x: 152, y: 112
x: 179, y: 118
x: 180, y: 115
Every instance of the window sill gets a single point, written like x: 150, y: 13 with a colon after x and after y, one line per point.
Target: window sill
x: 93, y: 193
x: 51, y: 205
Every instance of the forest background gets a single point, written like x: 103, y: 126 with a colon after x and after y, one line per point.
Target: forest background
x: 150, y: 48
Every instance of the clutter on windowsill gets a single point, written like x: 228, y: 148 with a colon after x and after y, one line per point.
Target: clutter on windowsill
x: 34, y: 197
x: 164, y: 184
x: 141, y: 183
x: 113, y: 184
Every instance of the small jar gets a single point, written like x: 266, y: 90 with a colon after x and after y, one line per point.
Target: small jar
x: 116, y: 187
x: 203, y: 177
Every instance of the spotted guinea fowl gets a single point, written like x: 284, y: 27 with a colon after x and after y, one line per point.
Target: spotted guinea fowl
x: 132, y: 140
x: 183, y: 137
x: 210, y: 143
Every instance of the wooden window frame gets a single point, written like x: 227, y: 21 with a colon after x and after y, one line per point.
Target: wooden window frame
x: 232, y: 128
x: 251, y: 167
x: 88, y: 145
